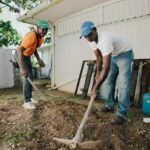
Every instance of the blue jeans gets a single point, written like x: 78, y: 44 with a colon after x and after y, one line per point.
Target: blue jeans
x: 120, y: 70
x: 27, y: 87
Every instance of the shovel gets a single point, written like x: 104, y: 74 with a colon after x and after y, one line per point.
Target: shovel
x: 38, y: 91
x: 76, y: 142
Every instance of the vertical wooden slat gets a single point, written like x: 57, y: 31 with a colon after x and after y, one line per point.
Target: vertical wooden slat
x: 88, y: 78
x: 79, y: 78
x: 143, y: 83
x: 134, y: 76
x: 148, y: 76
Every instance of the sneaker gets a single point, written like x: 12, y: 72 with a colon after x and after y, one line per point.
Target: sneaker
x: 118, y: 121
x: 106, y: 109
x: 29, y: 105
x: 34, y: 101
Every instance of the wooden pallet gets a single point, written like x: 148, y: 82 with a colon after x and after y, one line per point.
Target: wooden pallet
x: 89, y: 74
x: 140, y: 79
x: 141, y: 71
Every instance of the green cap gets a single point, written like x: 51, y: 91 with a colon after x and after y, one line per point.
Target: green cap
x: 43, y: 24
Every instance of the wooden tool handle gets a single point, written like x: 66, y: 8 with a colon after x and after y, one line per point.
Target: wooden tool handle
x: 78, y: 136
x: 37, y: 89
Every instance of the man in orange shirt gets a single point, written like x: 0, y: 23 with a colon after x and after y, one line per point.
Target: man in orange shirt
x: 27, y: 48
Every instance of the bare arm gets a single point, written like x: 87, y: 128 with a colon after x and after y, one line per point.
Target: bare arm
x: 99, y: 62
x: 22, y: 66
x: 40, y: 62
x: 103, y: 73
x: 37, y: 55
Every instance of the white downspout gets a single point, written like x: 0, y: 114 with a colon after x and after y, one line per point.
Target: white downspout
x: 53, y: 54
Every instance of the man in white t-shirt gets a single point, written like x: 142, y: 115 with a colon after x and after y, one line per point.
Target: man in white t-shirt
x: 114, y: 57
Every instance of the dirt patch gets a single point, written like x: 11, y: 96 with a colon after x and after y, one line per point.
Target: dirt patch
x: 60, y: 117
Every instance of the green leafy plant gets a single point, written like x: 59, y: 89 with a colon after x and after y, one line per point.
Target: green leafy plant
x: 13, y: 140
x: 8, y: 35
x: 48, y: 38
x: 24, y: 4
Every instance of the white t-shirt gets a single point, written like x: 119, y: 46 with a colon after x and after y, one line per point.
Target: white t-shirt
x: 109, y: 42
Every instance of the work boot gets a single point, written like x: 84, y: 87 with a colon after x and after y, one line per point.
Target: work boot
x: 34, y: 101
x: 118, y: 120
x: 29, y: 105
x: 106, y: 109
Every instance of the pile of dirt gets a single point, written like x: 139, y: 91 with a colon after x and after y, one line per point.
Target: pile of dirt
x: 60, y: 117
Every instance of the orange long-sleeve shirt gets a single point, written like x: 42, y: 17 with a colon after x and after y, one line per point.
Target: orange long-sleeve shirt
x: 31, y: 43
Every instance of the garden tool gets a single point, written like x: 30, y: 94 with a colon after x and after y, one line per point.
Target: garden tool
x: 38, y: 91
x: 76, y: 142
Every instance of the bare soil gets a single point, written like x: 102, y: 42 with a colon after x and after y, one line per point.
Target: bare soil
x: 60, y: 117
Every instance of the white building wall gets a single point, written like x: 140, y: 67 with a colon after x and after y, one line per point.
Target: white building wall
x: 47, y: 58
x: 129, y: 18
x: 6, y: 69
